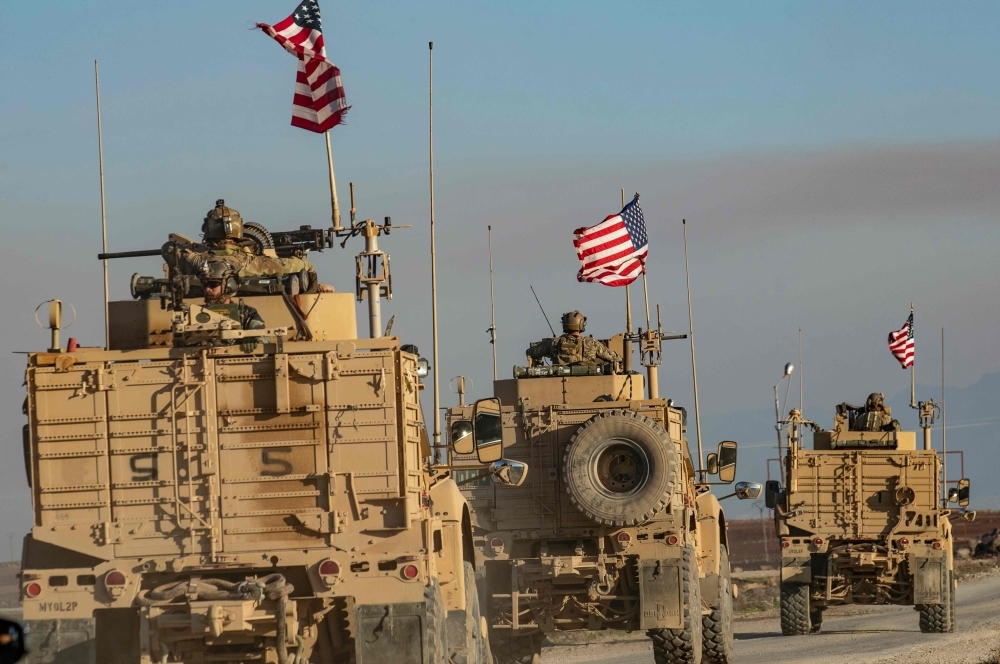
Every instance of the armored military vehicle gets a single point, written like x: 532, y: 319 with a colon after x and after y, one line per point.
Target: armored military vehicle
x: 597, y: 518
x: 195, y: 502
x: 861, y: 520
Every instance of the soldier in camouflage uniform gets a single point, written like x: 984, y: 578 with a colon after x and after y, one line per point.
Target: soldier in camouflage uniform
x: 218, y: 280
x: 222, y: 230
x: 875, y: 416
x: 572, y: 348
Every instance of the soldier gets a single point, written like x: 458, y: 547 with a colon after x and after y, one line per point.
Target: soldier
x: 222, y: 230
x: 218, y: 280
x: 572, y: 348
x: 875, y: 416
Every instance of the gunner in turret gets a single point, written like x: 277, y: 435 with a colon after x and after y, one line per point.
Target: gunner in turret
x: 875, y: 416
x: 572, y: 348
x: 218, y: 280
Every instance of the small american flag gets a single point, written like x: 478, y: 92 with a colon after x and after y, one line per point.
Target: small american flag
x: 319, y: 102
x: 901, y: 343
x: 614, y: 251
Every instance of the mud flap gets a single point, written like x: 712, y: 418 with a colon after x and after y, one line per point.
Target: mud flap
x: 70, y: 641
x: 929, y: 580
x: 796, y: 570
x: 391, y: 633
x: 660, y: 594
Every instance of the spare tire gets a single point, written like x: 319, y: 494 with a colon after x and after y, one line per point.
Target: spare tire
x: 619, y: 468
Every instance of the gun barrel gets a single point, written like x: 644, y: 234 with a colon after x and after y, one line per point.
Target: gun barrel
x: 129, y: 254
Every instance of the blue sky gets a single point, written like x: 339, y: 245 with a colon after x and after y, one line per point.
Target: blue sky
x: 835, y: 162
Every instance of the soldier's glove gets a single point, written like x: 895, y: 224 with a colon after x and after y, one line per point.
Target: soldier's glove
x: 248, y: 345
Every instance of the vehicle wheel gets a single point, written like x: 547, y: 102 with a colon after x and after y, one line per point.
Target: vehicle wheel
x: 682, y: 646
x: 619, y: 468
x: 795, y: 614
x: 815, y: 621
x: 717, y: 627
x: 936, y: 618
x: 517, y: 650
x: 465, y: 637
x: 434, y: 638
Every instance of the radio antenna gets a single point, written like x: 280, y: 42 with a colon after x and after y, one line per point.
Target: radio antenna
x: 694, y: 369
x: 493, y: 318
x: 104, y: 219
x: 543, y: 311
x: 434, y: 306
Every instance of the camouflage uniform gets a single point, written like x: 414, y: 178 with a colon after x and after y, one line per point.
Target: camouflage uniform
x: 571, y: 349
x: 242, y: 259
x: 874, y: 416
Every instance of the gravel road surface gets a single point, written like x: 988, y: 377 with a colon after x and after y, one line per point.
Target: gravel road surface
x: 858, y: 635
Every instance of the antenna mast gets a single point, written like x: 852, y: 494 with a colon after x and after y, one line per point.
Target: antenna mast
x: 944, y: 430
x: 694, y: 369
x: 493, y: 318
x: 104, y: 220
x: 333, y: 186
x: 434, y: 306
x: 800, y: 368
x: 551, y: 329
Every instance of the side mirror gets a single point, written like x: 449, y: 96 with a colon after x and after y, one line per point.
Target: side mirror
x: 727, y: 461
x: 963, y: 493
x: 747, y: 490
x: 11, y: 642
x: 511, y: 473
x: 487, y: 428
x: 969, y: 516
x: 712, y: 463
x: 771, y: 490
x: 461, y: 437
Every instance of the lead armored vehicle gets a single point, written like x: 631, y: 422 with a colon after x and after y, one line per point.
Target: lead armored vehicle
x: 197, y: 503
x: 861, y: 519
x: 597, y: 518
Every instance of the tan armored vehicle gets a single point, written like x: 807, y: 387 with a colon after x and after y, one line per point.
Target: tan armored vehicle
x: 596, y: 519
x: 861, y: 520
x: 197, y: 503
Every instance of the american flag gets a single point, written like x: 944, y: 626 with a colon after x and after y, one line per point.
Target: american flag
x: 901, y: 343
x: 614, y: 251
x: 319, y: 102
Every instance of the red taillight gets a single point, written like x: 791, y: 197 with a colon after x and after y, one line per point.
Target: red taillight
x: 624, y: 539
x: 785, y: 544
x: 903, y: 541
x: 818, y: 541
x: 672, y: 540
x: 33, y: 590
x: 936, y: 544
x: 410, y: 572
x: 114, y: 578
x: 329, y: 568
x: 496, y: 543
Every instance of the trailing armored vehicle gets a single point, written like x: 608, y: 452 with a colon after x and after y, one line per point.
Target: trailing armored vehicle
x: 861, y: 519
x: 196, y: 502
x: 596, y: 518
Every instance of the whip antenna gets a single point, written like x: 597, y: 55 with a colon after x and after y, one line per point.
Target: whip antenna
x: 434, y: 306
x: 694, y: 369
x: 543, y: 311
x: 104, y: 220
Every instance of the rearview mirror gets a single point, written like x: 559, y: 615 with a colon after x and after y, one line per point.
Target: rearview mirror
x: 712, y: 463
x: 747, y: 490
x: 771, y: 490
x: 727, y: 461
x: 969, y: 516
x: 511, y: 473
x: 963, y: 493
x: 487, y: 428
x: 461, y: 437
x: 11, y: 642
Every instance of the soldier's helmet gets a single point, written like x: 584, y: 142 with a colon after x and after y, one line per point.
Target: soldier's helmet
x: 222, y: 223
x: 875, y: 401
x: 214, y: 273
x: 574, y: 321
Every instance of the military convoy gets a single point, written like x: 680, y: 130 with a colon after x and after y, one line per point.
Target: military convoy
x: 596, y: 517
x: 861, y: 519
x: 196, y: 502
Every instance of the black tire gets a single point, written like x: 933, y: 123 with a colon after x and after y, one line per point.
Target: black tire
x: 682, y: 646
x: 619, y: 468
x: 936, y: 618
x: 465, y: 638
x: 795, y: 613
x: 517, y: 650
x: 434, y: 638
x: 717, y: 627
x: 815, y: 620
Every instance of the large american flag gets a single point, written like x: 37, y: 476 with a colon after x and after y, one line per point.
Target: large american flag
x: 614, y: 251
x: 319, y: 95
x: 901, y: 343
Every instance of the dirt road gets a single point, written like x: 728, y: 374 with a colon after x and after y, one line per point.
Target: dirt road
x: 881, y: 635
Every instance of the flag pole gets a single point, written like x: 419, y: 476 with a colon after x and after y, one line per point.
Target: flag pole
x: 694, y: 368
x: 628, y: 321
x: 913, y: 379
x: 434, y: 312
x: 104, y: 220
x: 333, y: 185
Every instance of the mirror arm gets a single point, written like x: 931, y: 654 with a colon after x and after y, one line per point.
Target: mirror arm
x: 474, y: 478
